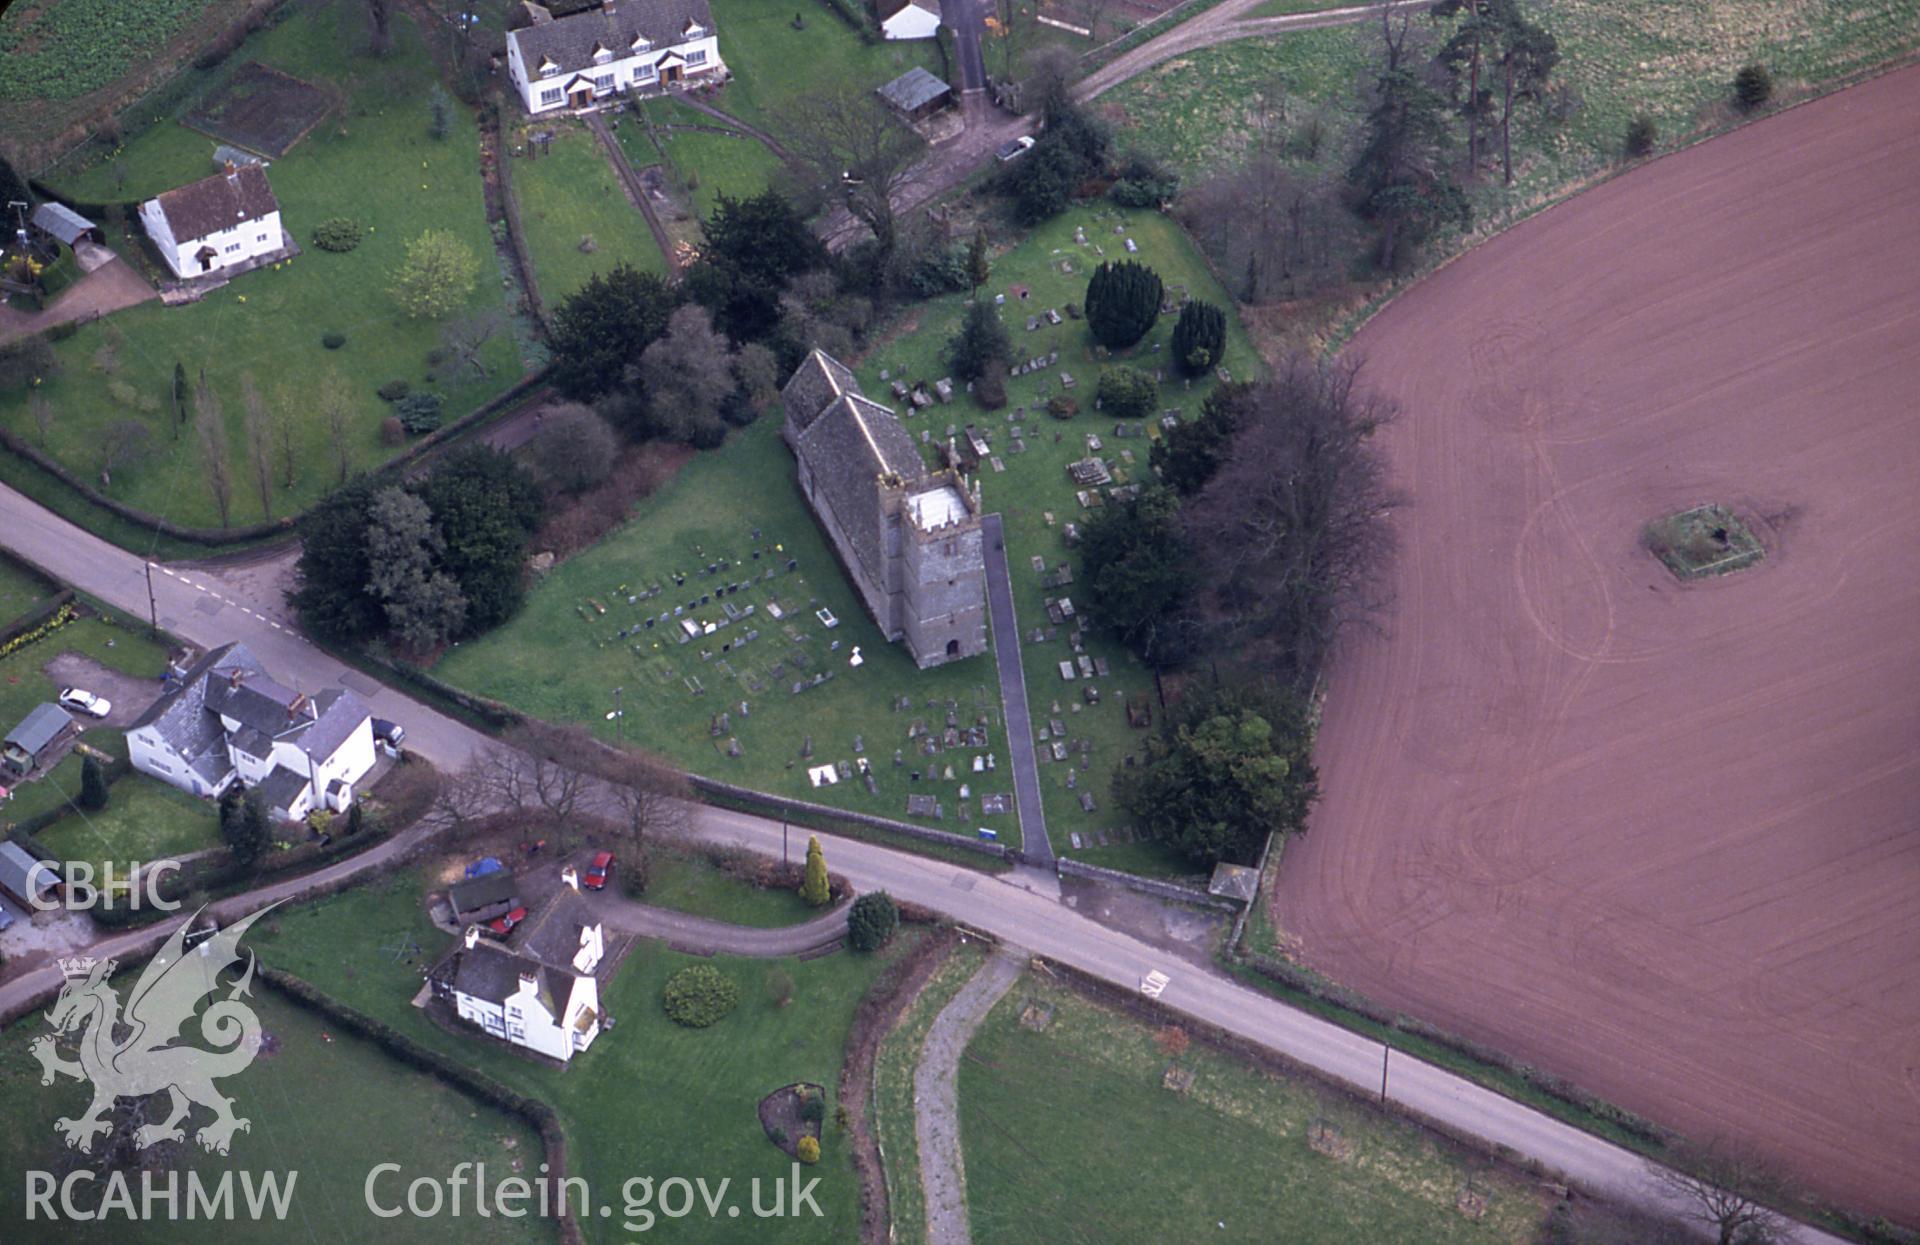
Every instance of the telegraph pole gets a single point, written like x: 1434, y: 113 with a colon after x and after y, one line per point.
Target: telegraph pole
x: 153, y: 608
x: 619, y: 715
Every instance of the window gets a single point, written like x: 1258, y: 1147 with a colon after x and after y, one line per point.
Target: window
x: 694, y: 30
x: 231, y: 247
x: 644, y: 73
x: 601, y: 55
x: 641, y: 43
x: 603, y: 84
x: 260, y: 238
x: 696, y: 58
x: 550, y: 96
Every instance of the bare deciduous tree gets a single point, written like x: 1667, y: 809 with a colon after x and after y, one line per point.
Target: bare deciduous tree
x: 467, y: 336
x: 1292, y: 531
x: 336, y: 407
x: 210, y: 427
x: 848, y: 138
x: 1727, y: 1189
x: 42, y: 412
x: 259, y: 442
x: 123, y: 442
x: 281, y: 414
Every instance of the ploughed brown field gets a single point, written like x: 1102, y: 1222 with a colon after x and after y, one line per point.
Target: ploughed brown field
x: 1662, y: 839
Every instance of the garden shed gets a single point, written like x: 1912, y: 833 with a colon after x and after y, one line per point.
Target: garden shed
x: 916, y: 94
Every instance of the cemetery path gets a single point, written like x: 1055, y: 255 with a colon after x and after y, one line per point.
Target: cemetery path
x: 1013, y: 697
x: 936, y: 1096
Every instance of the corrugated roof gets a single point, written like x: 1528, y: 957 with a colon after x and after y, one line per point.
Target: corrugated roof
x: 16, y: 863
x: 914, y: 90
x: 39, y: 728
x: 62, y: 222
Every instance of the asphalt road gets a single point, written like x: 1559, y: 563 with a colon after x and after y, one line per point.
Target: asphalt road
x: 1022, y: 907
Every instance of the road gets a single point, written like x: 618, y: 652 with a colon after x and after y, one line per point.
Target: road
x: 1019, y: 908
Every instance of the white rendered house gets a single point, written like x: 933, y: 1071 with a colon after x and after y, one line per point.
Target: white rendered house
x: 227, y: 721
x: 623, y: 45
x: 910, y: 19
x: 538, y: 989
x: 215, y: 223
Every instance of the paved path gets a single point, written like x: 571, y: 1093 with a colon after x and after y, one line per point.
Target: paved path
x: 109, y: 287
x: 1013, y: 696
x: 936, y: 1096
x: 1002, y: 906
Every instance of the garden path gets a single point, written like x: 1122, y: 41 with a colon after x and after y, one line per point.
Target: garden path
x: 936, y: 1095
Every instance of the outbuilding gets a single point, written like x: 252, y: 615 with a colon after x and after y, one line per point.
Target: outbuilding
x: 37, y: 735
x: 917, y: 94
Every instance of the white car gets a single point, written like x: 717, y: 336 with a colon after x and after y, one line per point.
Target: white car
x: 79, y: 701
x: 1014, y: 148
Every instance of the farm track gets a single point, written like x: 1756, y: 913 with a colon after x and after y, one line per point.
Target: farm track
x: 1657, y: 838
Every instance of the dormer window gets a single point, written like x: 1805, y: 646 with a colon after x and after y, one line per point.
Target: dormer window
x: 548, y: 67
x: 641, y: 43
x: 601, y: 55
x: 694, y: 30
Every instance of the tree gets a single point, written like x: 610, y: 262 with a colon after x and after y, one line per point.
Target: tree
x: 440, y: 108
x: 653, y: 797
x: 281, y: 415
x: 1072, y: 148
x: 93, y: 785
x: 815, y: 889
x: 1127, y: 393
x: 335, y: 401
x: 1400, y: 171
x: 436, y: 277
x: 1230, y: 765
x: 602, y: 327
x: 981, y: 346
x: 1199, y: 337
x: 1752, y: 87
x: 1291, y: 534
x: 847, y: 137
x: 1138, y: 573
x: 978, y: 266
x: 1463, y: 55
x: 422, y: 603
x: 687, y: 376
x: 1187, y: 456
x: 574, y: 448
x: 548, y: 768
x: 259, y: 442
x: 1725, y: 1188
x: 465, y: 337
x: 331, y: 577
x: 1528, y: 55
x: 379, y: 27
x: 26, y: 362
x: 41, y: 412
x: 1123, y: 302
x: 246, y: 825
x: 755, y: 248
x: 180, y: 396
x: 123, y: 443
x: 871, y: 921
x: 486, y: 506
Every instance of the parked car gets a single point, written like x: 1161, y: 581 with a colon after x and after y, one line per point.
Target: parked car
x: 389, y: 735
x: 86, y: 702
x: 597, y: 872
x: 503, y: 925
x: 1014, y: 148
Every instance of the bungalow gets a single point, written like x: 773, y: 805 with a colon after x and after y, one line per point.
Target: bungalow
x: 620, y: 45
x: 226, y: 720
x: 218, y: 222
x: 909, y: 19
x: 538, y: 990
x: 37, y: 735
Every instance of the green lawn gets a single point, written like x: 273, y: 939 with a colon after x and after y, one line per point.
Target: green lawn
x: 708, y: 162
x: 1035, y: 484
x: 373, y: 161
x: 567, y: 195
x: 775, y: 66
x: 650, y: 1098
x: 560, y: 658
x: 685, y: 881
x: 321, y: 1104
x: 144, y: 820
x: 1287, y: 8
x: 1070, y: 1135
x: 893, y: 1113
x: 20, y: 590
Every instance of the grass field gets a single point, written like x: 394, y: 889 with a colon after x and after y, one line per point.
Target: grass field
x: 650, y: 1097
x: 710, y: 164
x: 561, y: 659
x: 372, y: 161
x: 1070, y: 1135
x: 775, y: 66
x: 570, y: 194
x: 144, y: 820
x: 682, y: 880
x: 20, y: 590
x: 893, y: 1113
x: 322, y: 1104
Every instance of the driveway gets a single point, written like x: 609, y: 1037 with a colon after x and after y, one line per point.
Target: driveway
x: 108, y: 288
x: 129, y: 693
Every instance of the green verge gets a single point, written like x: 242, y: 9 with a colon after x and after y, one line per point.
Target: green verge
x: 683, y: 880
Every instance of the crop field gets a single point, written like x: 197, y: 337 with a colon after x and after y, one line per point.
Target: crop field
x: 1648, y: 834
x: 59, y: 49
x: 373, y: 162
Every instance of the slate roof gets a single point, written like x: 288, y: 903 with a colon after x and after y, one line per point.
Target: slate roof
x: 256, y: 700
x: 813, y: 386
x: 15, y: 864
x: 218, y: 202
x: 569, y: 42
x: 340, y: 714
x: 62, y: 222
x: 849, y: 448
x: 914, y: 90
x: 477, y: 894
x: 489, y: 971
x: 552, y: 935
x: 39, y: 728
x: 281, y: 788
x: 891, y: 8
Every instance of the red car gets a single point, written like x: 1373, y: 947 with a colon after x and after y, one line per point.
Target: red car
x: 503, y: 925
x: 597, y: 872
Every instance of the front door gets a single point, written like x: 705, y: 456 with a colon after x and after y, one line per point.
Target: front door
x: 582, y: 97
x: 670, y: 74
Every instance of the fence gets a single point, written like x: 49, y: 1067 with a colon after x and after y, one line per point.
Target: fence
x: 782, y: 805
x: 1180, y: 892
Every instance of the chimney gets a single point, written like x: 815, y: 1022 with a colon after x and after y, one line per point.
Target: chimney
x: 607, y: 6
x: 234, y: 676
x: 233, y: 172
x: 472, y: 937
x: 570, y: 876
x: 528, y: 983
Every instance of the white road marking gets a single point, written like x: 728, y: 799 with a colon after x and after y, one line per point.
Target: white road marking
x: 1153, y: 983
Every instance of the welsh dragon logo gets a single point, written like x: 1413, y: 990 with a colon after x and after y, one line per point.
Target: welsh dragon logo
x: 138, y: 1053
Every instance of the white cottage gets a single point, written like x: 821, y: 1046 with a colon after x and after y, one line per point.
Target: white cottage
x: 538, y: 990
x: 227, y: 721
x: 219, y: 222
x: 622, y: 45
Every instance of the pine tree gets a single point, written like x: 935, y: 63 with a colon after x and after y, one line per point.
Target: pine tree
x: 978, y: 269
x: 814, y: 888
x: 93, y: 786
x: 1199, y: 337
x: 1123, y: 301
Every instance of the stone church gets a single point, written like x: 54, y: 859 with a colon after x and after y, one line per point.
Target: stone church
x: 909, y: 537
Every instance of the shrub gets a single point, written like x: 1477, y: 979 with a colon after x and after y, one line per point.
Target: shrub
x: 815, y: 890
x: 419, y: 412
x: 700, y: 995
x: 871, y: 921
x: 1063, y: 406
x: 941, y: 272
x: 65, y: 329
x: 1123, y: 301
x: 1642, y: 134
x: 394, y: 390
x: 93, y: 786
x: 807, y: 1150
x: 813, y: 1106
x: 1143, y: 183
x: 1752, y: 87
x: 1199, y: 337
x: 333, y: 341
x: 981, y: 345
x: 392, y: 431
x: 990, y: 391
x: 1127, y: 393
x: 337, y: 234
